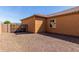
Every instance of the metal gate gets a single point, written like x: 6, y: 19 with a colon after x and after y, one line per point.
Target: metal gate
x: 22, y: 28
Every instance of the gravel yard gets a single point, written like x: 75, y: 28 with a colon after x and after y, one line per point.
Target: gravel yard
x: 37, y: 43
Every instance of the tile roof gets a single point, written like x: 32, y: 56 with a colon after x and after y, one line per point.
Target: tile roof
x: 75, y: 9
x: 41, y: 15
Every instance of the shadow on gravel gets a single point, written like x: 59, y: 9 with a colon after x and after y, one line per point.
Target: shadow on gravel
x: 63, y: 37
x: 19, y: 33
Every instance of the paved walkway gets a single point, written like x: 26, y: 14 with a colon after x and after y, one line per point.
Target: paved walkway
x: 37, y: 42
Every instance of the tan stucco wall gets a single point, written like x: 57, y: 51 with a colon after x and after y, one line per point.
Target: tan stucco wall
x: 5, y: 28
x: 30, y: 22
x: 35, y: 24
x: 0, y: 29
x: 9, y: 28
x: 65, y: 24
x: 39, y: 24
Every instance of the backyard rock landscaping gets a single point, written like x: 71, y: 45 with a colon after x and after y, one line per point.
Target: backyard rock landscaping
x: 37, y: 43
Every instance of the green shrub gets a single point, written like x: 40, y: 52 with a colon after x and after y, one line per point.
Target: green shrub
x: 7, y: 22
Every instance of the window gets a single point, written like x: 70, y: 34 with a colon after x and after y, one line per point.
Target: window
x: 53, y: 23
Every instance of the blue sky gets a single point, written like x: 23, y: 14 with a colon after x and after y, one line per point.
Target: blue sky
x: 16, y: 13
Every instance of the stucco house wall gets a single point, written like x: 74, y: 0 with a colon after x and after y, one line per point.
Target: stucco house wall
x: 40, y: 24
x: 30, y: 22
x: 0, y: 29
x: 65, y: 24
x: 35, y: 24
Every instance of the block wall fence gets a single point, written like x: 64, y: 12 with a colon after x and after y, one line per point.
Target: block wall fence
x: 8, y: 28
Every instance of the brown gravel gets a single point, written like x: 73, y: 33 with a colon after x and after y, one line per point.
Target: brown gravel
x: 37, y: 42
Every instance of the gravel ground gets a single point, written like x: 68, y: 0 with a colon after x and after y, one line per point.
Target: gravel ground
x: 37, y: 43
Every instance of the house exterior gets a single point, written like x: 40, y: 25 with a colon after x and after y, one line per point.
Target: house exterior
x: 0, y: 29
x: 65, y: 22
x: 36, y: 23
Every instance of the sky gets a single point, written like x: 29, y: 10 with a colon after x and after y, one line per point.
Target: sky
x: 15, y: 13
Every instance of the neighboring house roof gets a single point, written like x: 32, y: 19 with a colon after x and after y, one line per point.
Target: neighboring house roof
x: 72, y: 10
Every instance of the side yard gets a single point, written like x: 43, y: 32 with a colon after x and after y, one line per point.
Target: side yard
x: 36, y: 42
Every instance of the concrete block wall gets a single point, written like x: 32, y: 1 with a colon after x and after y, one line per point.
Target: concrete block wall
x: 8, y: 28
x: 5, y: 28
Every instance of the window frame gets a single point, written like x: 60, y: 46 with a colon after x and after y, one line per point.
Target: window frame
x: 54, y: 23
